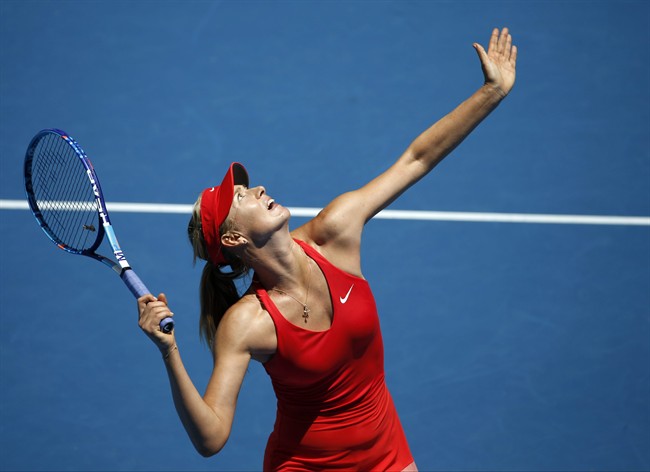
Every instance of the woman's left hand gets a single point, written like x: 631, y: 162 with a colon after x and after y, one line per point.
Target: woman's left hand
x: 499, y: 62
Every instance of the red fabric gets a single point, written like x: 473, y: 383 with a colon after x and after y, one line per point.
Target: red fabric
x: 334, y: 409
x: 215, y: 206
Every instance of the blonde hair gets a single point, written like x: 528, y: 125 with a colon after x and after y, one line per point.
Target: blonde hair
x: 218, y: 290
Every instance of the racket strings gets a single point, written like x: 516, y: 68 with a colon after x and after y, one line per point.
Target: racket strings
x: 63, y: 193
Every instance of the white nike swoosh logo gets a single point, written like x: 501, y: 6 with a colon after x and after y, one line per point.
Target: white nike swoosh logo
x: 344, y: 300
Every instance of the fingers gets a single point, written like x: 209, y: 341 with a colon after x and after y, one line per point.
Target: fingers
x: 494, y: 40
x: 501, y: 44
x: 152, y: 311
x: 146, y: 298
x: 158, y: 311
x: 503, y: 40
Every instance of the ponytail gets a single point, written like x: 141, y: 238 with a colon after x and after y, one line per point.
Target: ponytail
x: 218, y: 290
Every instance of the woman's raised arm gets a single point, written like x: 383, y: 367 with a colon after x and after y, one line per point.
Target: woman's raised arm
x: 341, y: 222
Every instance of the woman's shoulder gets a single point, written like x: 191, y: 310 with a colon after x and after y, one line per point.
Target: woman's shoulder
x: 248, y: 324
x: 332, y: 224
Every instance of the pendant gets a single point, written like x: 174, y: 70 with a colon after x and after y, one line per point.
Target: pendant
x: 305, y: 312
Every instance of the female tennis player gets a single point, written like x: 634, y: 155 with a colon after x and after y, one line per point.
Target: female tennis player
x: 309, y: 316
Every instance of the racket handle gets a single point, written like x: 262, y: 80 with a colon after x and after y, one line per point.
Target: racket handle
x: 133, y: 282
x: 167, y: 325
x: 138, y: 289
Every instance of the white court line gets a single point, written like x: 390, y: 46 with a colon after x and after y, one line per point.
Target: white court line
x: 389, y: 214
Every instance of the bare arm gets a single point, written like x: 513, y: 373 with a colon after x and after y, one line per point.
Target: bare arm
x: 207, y: 423
x: 208, y: 419
x: 337, y: 229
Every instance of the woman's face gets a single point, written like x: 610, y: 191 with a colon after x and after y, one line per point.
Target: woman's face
x: 255, y: 214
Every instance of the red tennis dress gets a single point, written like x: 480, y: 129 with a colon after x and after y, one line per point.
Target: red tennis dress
x: 334, y: 410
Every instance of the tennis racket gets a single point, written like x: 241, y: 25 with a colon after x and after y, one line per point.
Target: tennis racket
x: 64, y: 195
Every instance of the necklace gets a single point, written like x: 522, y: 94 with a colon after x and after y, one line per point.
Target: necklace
x: 305, y: 308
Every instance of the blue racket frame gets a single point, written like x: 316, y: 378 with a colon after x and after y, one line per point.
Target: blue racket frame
x: 121, y: 267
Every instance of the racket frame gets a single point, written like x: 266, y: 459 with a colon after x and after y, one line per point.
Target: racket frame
x: 121, y: 267
x: 104, y: 229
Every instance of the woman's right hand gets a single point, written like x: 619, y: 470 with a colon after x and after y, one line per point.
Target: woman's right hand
x: 152, y: 311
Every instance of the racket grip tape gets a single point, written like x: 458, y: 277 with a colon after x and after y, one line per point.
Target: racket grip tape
x: 138, y: 289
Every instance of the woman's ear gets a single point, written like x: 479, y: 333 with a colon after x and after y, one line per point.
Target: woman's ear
x: 233, y: 239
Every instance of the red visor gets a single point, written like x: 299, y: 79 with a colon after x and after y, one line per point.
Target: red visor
x: 215, y: 206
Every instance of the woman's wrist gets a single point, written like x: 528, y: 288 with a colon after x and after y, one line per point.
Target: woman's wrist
x: 169, y: 351
x: 495, y: 90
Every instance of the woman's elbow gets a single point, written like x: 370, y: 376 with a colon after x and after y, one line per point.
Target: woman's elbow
x: 209, y: 448
x: 208, y: 451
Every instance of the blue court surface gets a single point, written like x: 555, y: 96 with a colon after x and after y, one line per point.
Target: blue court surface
x: 509, y: 346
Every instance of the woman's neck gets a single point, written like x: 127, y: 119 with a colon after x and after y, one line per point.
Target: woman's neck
x: 283, y: 265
